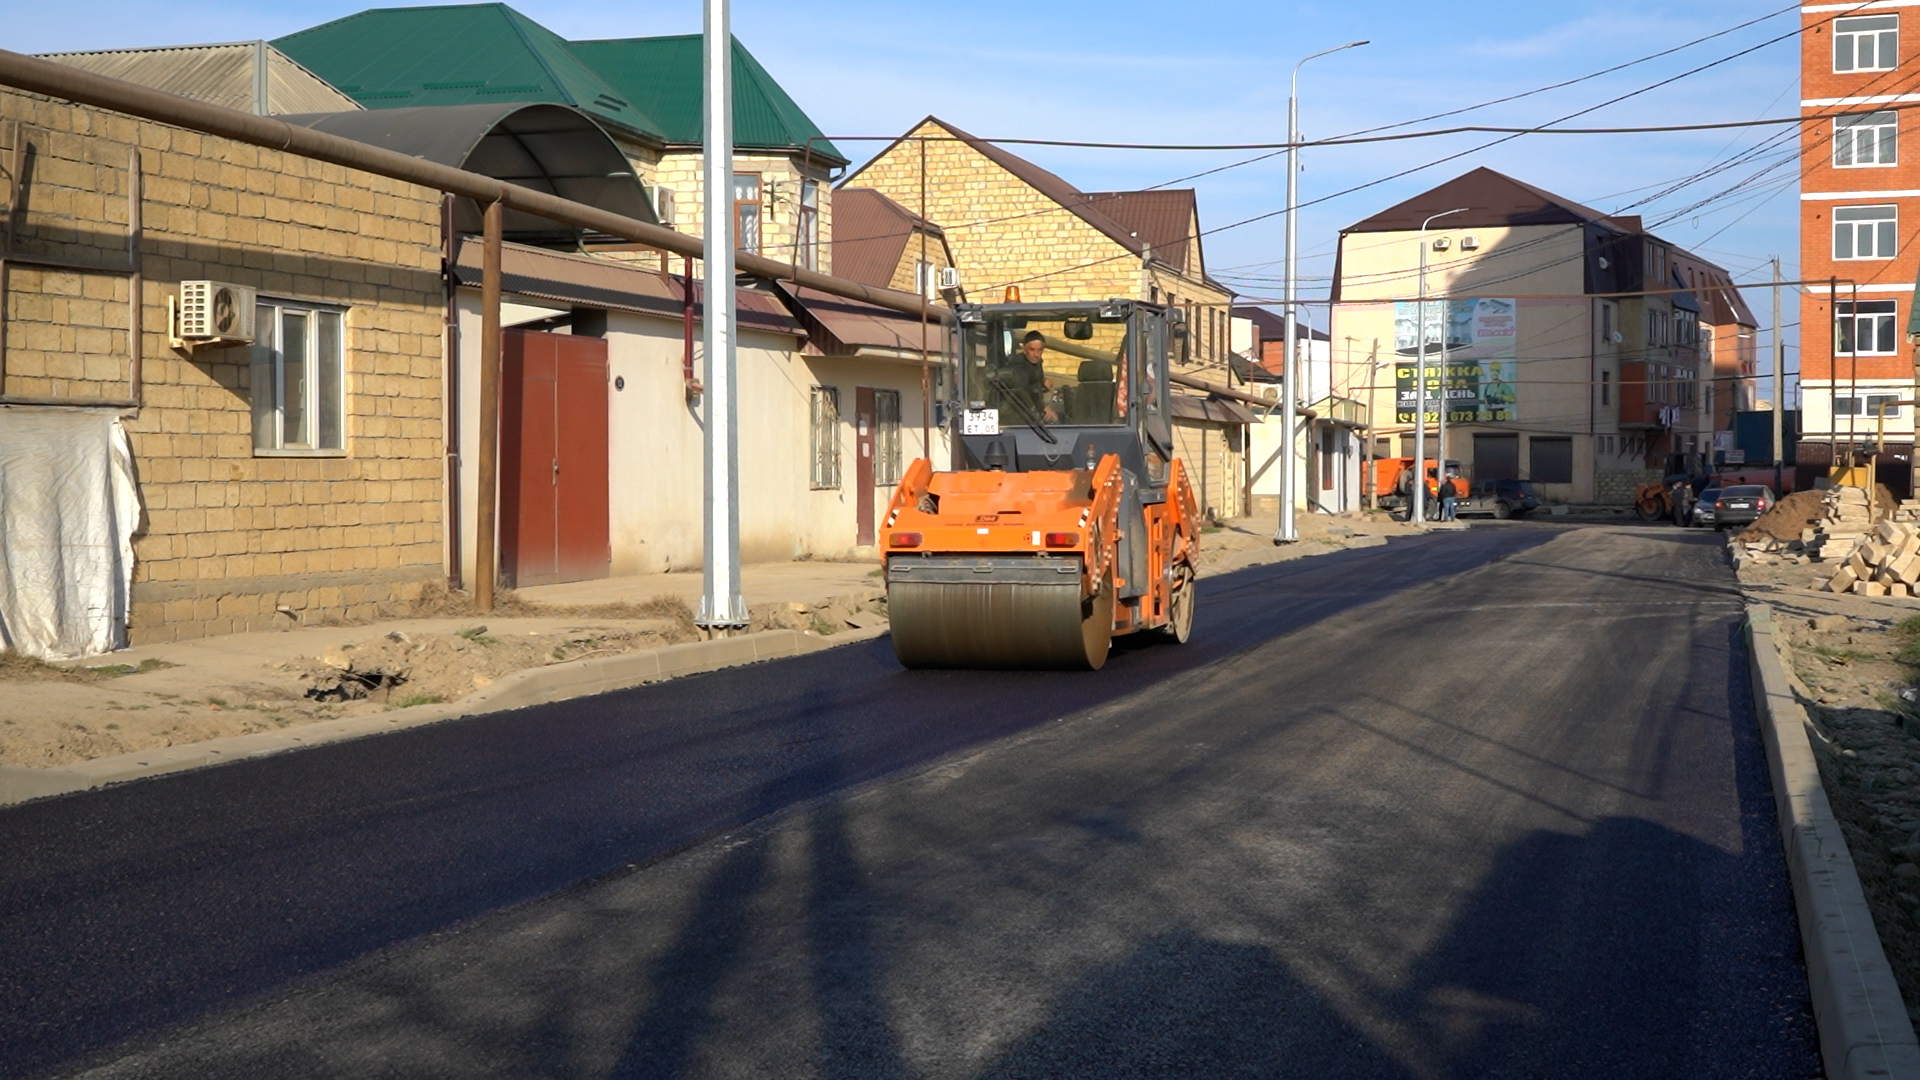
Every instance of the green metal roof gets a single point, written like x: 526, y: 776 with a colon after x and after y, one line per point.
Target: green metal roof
x: 467, y: 54
x: 662, y: 75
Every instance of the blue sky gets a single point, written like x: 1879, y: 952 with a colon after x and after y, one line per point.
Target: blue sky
x: 1214, y: 71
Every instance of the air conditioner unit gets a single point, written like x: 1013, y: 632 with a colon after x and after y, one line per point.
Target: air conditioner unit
x: 663, y: 209
x: 949, y: 277
x: 1441, y: 243
x: 216, y: 313
x: 1469, y: 243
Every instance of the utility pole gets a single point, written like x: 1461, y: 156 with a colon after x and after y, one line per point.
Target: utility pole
x: 722, y: 608
x: 1779, y: 366
x: 1290, y: 367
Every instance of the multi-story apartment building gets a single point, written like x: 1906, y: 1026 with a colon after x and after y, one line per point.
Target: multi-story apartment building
x: 1859, y: 213
x: 1580, y: 351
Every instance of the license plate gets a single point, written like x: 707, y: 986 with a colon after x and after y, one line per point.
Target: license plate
x: 980, y: 422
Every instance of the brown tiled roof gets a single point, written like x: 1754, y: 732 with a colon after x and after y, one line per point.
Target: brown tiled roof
x: 1046, y: 183
x: 1272, y: 327
x: 870, y: 234
x: 1722, y: 303
x: 1492, y: 199
x: 1161, y: 218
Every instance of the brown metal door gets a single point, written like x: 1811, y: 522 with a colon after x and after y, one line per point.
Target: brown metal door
x: 553, y: 458
x: 863, y: 428
x: 582, y: 547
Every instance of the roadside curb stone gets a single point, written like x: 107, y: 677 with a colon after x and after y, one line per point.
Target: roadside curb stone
x: 533, y: 686
x: 1863, y: 1023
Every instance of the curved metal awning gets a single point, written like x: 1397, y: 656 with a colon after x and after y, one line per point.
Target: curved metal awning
x: 550, y: 148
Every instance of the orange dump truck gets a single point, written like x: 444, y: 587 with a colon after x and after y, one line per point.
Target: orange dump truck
x: 1385, y: 479
x: 1066, y: 520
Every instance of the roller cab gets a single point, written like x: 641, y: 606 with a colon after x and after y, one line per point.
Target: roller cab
x: 1067, y: 519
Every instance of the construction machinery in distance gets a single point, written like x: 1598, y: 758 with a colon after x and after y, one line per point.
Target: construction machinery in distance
x: 1067, y: 519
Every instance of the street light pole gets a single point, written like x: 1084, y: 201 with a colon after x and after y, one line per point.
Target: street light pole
x: 1290, y: 367
x: 722, y: 608
x: 1417, y: 495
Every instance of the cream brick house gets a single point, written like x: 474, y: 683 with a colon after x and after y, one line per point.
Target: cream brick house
x: 296, y: 478
x: 1009, y: 222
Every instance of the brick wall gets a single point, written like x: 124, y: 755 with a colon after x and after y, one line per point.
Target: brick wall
x: 1001, y: 230
x: 228, y: 537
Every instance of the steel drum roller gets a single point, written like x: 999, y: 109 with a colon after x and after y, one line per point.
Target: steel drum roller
x: 950, y: 612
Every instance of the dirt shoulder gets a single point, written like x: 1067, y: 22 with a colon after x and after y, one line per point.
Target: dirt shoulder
x: 189, y: 692
x: 1856, y: 664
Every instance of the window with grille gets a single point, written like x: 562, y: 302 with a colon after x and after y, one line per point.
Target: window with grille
x: 886, y: 437
x: 746, y: 212
x: 825, y: 438
x: 299, y: 380
x: 1863, y: 140
x: 1865, y: 232
x: 1867, y: 43
x: 1865, y: 328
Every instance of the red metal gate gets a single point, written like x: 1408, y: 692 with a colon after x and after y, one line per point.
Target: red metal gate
x: 554, y: 519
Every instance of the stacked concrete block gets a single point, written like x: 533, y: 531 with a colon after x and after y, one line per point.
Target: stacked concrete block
x: 1845, y: 522
x: 1883, y: 559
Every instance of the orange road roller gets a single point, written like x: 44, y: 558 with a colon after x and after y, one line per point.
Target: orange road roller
x: 1067, y: 519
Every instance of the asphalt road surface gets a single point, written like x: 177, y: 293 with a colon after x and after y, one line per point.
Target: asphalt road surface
x: 1484, y: 804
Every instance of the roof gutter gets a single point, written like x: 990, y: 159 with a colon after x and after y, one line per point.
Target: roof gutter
x: 58, y: 80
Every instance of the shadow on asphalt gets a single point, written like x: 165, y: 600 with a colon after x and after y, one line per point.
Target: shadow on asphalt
x: 133, y: 908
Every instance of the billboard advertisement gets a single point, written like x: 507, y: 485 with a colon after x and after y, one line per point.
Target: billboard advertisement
x: 1473, y: 342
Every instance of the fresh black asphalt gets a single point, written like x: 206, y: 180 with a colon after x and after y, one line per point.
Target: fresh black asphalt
x: 1480, y: 804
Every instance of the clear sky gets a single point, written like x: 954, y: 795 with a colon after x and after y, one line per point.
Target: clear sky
x: 1216, y: 71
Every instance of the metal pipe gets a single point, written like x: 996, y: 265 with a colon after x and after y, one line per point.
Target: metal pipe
x: 57, y: 80
x: 722, y: 608
x: 486, y: 562
x: 1779, y: 362
x: 925, y: 286
x: 450, y: 251
x: 136, y: 284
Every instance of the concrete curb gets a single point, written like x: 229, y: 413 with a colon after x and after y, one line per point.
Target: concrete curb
x: 1863, y: 1023
x: 534, y: 686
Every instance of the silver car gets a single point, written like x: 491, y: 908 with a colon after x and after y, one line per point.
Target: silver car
x: 1702, y: 517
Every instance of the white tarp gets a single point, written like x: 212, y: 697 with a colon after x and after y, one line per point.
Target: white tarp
x: 68, y: 509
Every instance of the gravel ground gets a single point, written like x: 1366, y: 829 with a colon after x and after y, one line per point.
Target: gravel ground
x: 1845, y: 652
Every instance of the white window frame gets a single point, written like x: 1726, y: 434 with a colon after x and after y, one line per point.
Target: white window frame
x: 824, y: 439
x: 1878, y: 226
x: 809, y: 224
x: 1882, y: 144
x: 749, y: 209
x: 1885, y: 317
x: 1880, y: 33
x: 318, y: 384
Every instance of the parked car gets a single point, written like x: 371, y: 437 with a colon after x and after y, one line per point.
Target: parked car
x: 1501, y: 498
x: 1703, y: 508
x: 1741, y: 504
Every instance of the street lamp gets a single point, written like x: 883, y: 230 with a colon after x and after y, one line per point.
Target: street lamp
x: 1418, y: 495
x: 1290, y: 367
